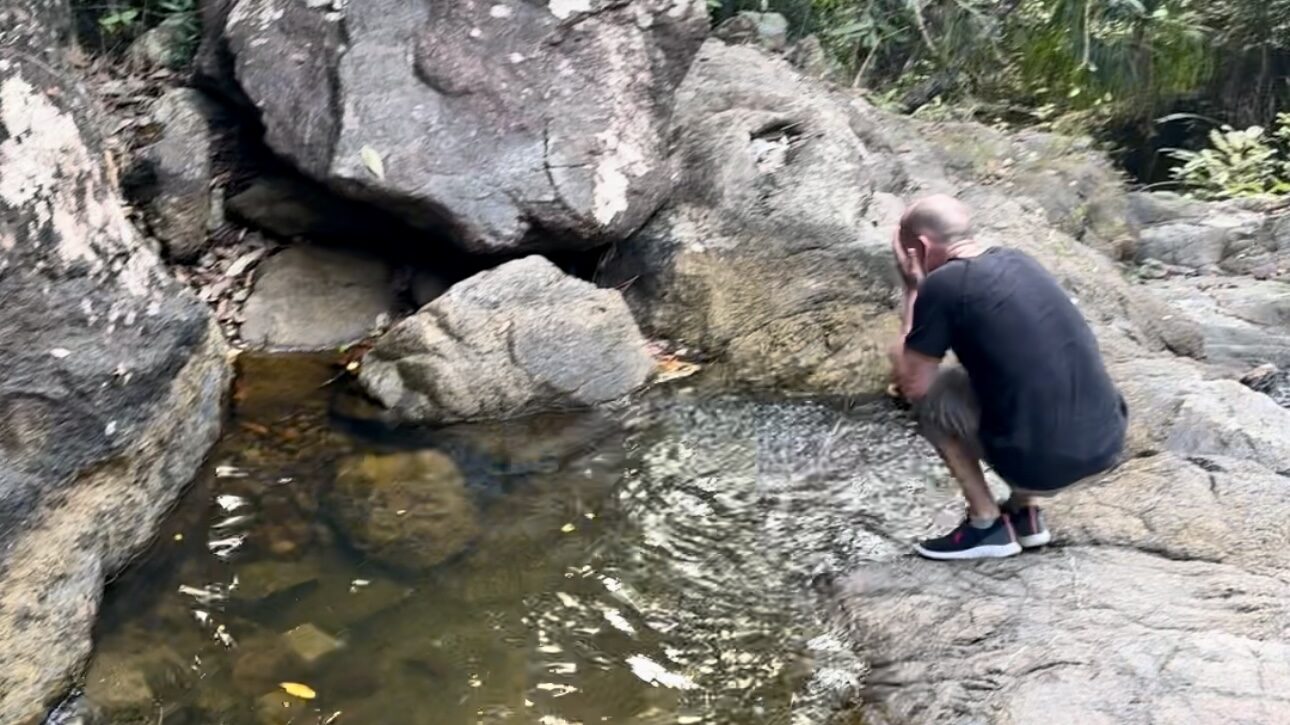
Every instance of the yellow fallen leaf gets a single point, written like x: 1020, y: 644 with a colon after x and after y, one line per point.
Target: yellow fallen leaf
x: 295, y: 689
x: 568, y: 528
x: 671, y: 368
x: 372, y: 160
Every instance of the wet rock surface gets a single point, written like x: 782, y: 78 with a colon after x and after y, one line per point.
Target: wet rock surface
x: 114, y: 374
x: 318, y: 298
x: 568, y: 103
x: 520, y: 338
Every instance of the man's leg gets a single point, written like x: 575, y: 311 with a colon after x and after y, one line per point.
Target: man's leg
x: 949, y: 418
x: 966, y: 469
x: 1022, y: 507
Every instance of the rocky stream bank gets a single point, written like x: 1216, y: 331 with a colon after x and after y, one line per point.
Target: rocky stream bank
x: 513, y: 208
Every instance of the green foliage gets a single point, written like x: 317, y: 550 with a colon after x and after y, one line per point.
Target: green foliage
x: 184, y: 15
x: 1051, y: 61
x: 1239, y: 163
x: 1084, y: 54
x: 120, y: 21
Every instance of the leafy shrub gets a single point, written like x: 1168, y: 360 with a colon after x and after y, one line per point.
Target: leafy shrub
x: 1238, y: 163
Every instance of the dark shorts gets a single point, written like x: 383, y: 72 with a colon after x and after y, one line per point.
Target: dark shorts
x: 950, y: 411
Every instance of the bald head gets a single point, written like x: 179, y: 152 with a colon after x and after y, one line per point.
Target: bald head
x: 940, y: 218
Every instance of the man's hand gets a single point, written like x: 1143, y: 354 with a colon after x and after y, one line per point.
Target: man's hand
x: 911, y: 268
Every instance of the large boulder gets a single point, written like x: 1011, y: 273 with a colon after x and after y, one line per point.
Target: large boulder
x: 766, y: 260
x: 517, y: 339
x: 114, y: 374
x: 774, y: 258
x: 515, y: 124
x: 404, y: 510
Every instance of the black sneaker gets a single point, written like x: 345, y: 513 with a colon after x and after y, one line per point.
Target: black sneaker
x: 969, y: 542
x: 1028, y: 522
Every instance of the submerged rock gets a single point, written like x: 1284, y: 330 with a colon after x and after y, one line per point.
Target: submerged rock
x: 310, y: 643
x: 517, y: 339
x: 114, y: 374
x: 131, y: 687
x: 261, y: 580
x: 515, y: 124
x: 279, y: 708
x: 317, y: 298
x: 404, y: 510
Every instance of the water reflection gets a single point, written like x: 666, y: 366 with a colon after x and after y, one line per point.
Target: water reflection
x: 647, y: 567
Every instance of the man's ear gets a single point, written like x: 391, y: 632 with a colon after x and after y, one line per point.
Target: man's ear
x: 924, y: 247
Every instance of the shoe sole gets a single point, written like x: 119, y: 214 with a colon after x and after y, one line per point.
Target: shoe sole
x: 992, y: 551
x: 1040, y: 539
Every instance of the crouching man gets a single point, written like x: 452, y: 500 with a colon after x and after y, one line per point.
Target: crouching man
x: 1031, y: 398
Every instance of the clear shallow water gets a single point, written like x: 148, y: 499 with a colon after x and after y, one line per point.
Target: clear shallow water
x: 649, y: 567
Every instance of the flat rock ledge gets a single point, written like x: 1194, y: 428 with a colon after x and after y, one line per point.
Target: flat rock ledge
x: 1163, y: 600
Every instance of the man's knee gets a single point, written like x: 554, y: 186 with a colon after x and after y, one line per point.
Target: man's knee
x: 950, y: 410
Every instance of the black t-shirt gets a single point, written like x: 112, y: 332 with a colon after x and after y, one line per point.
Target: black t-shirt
x: 1050, y: 414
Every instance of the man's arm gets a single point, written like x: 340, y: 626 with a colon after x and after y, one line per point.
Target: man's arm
x: 913, y: 371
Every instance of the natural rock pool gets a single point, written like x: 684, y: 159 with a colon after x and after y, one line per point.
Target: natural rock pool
x: 654, y: 565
